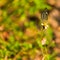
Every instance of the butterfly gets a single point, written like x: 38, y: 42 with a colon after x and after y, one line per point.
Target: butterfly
x: 44, y: 14
x: 44, y: 18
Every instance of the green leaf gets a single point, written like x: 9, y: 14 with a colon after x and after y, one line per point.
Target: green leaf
x: 27, y: 46
x: 11, y: 39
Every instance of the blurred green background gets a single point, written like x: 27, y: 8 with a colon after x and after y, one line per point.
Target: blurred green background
x: 21, y: 34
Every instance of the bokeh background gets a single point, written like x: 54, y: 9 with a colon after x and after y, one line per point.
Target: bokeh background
x: 24, y: 35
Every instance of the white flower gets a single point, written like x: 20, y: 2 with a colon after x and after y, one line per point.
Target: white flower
x: 43, y: 41
x: 46, y: 26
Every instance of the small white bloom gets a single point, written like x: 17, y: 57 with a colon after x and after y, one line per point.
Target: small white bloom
x: 46, y: 26
x: 43, y: 41
x: 42, y: 24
